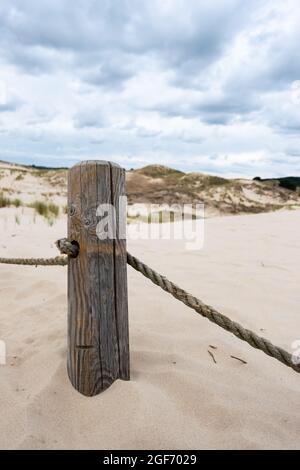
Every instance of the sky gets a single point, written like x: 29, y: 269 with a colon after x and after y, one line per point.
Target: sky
x: 210, y: 86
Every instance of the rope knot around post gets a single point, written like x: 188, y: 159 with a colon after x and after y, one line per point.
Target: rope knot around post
x: 68, y: 247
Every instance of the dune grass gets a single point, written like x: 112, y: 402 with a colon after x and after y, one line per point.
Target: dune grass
x: 7, y: 202
x: 50, y: 210
x: 47, y: 210
x: 4, y: 201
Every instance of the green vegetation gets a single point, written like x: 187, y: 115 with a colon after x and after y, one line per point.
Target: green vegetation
x: 4, y: 201
x: 16, y: 202
x: 215, y: 180
x: 159, y: 171
x: 40, y: 173
x: 47, y: 168
x: 50, y: 221
x: 50, y: 211
x: 289, y: 182
x: 6, y: 190
x: 40, y: 207
x: 12, y: 171
x: 159, y: 217
x: 19, y: 177
x: 45, y: 210
x: 7, y: 202
x: 53, y: 209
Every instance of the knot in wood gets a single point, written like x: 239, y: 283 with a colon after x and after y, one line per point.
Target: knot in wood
x: 72, y: 210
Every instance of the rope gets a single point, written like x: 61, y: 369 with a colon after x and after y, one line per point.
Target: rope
x: 57, y: 261
x: 71, y: 249
x: 211, y: 314
x: 65, y: 246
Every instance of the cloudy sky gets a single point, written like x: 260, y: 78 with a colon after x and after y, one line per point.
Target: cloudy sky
x: 210, y: 85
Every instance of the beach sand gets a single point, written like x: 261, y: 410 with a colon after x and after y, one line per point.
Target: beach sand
x: 178, y: 397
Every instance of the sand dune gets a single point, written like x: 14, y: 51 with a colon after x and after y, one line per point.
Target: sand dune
x: 155, y: 184
x: 177, y: 397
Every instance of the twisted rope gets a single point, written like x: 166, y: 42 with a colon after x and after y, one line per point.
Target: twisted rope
x: 57, y: 261
x: 65, y: 246
x: 71, y: 249
x: 211, y: 314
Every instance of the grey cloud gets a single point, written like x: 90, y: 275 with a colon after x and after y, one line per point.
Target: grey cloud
x: 217, y: 119
x: 97, y: 141
x: 274, y: 64
x: 89, y: 119
x: 283, y: 61
x: 192, y: 139
x: 227, y: 107
x: 286, y: 128
x: 182, y: 38
x: 34, y: 60
x: 147, y: 133
x: 285, y: 122
x: 7, y: 107
x: 11, y: 105
x: 293, y: 152
x: 218, y: 110
x: 111, y: 73
x: 100, y: 36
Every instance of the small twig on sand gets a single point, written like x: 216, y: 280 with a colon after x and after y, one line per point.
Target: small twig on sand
x: 213, y: 347
x: 239, y: 359
x: 213, y: 357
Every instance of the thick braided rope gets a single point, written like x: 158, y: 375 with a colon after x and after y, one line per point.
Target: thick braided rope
x: 209, y: 312
x: 57, y: 261
x: 65, y: 246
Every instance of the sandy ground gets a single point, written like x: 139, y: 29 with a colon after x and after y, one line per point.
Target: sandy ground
x: 178, y: 398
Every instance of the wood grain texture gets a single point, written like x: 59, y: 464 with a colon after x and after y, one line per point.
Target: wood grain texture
x: 120, y: 259
x: 98, y: 349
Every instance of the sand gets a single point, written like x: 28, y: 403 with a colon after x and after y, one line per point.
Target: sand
x: 178, y: 398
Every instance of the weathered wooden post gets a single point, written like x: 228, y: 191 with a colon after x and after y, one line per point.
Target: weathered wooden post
x: 98, y: 348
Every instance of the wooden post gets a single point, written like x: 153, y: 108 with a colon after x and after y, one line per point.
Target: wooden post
x: 98, y: 348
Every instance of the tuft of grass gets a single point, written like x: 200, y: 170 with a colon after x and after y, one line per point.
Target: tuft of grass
x: 17, y: 219
x: 216, y: 180
x: 161, y: 217
x: 16, y: 202
x: 7, y: 202
x: 19, y: 177
x: 40, y: 173
x: 40, y: 207
x: 45, y: 210
x: 4, y: 201
x: 53, y: 209
x: 159, y: 171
